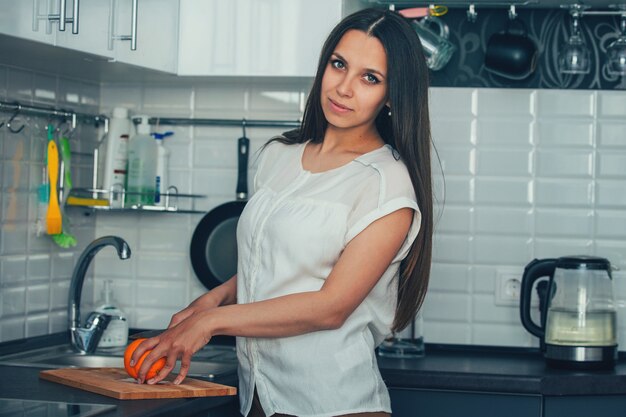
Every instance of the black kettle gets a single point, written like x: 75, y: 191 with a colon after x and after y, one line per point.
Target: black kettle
x: 578, y: 322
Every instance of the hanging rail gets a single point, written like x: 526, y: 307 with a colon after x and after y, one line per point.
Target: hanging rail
x: 222, y: 122
x: 18, y: 108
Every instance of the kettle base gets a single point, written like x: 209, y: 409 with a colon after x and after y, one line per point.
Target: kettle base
x: 581, y: 357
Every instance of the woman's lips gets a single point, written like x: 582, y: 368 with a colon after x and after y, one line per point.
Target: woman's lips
x: 338, y: 108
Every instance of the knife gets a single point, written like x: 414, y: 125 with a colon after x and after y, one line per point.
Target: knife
x: 146, y: 334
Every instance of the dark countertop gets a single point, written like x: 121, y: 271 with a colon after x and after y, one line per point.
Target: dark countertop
x: 498, y: 369
x: 445, y: 367
x: 23, y: 383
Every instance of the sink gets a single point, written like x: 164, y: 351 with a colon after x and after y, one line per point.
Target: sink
x: 211, y: 362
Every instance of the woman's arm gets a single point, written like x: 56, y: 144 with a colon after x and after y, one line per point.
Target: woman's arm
x: 224, y: 294
x: 357, y: 271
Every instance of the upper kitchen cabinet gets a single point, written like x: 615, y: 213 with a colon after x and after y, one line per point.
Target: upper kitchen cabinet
x: 254, y: 37
x: 28, y: 20
x: 95, y: 21
x: 106, y: 28
x: 156, y: 33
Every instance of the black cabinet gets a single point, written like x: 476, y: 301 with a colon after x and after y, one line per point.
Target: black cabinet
x: 585, y: 406
x: 408, y: 402
x: 411, y: 402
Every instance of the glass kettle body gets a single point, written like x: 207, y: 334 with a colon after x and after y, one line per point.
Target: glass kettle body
x: 578, y: 328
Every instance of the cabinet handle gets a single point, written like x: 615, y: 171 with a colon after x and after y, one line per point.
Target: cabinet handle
x: 75, y: 18
x: 38, y: 16
x: 133, y: 29
x: 62, y: 16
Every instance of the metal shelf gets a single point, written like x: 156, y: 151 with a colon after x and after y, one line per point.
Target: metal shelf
x: 102, y: 200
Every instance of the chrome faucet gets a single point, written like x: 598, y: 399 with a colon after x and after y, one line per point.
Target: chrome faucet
x: 85, y: 339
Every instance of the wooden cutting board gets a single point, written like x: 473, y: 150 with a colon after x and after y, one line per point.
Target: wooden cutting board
x: 115, y: 382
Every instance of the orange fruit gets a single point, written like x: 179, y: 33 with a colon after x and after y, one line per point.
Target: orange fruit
x: 133, y: 370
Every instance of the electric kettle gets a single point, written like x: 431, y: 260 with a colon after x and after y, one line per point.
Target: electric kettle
x: 578, y: 323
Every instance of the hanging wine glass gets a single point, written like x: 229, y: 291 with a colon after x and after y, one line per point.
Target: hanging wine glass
x: 616, y: 51
x: 575, y: 56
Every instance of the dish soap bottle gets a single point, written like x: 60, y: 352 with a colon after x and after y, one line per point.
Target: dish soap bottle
x: 116, y: 333
x: 116, y: 156
x: 162, y: 180
x: 142, y: 160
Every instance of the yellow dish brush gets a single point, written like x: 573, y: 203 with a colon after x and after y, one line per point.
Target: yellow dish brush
x: 53, y: 218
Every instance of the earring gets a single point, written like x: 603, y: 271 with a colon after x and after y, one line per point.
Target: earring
x: 389, y: 112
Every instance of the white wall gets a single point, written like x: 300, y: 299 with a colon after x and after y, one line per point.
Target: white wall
x: 528, y: 173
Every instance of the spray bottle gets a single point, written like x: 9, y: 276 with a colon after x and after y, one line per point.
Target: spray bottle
x: 142, y: 161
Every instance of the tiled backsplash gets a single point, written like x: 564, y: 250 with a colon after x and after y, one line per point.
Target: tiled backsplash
x: 34, y: 271
x: 528, y: 173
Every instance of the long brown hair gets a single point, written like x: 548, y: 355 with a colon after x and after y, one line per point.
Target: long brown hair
x: 407, y: 130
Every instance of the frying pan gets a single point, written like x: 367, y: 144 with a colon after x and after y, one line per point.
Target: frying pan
x: 214, y: 242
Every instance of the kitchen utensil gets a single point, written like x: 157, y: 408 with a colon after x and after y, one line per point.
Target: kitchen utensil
x: 417, y: 12
x: 616, y: 51
x: 407, y: 344
x: 214, y: 242
x: 146, y: 334
x: 53, y: 218
x: 511, y: 53
x: 437, y: 48
x: 65, y: 239
x: 575, y: 55
x: 579, y: 326
x: 115, y: 382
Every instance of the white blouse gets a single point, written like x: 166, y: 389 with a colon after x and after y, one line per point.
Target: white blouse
x: 290, y: 235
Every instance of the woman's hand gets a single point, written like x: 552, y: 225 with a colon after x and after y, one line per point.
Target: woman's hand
x: 181, y: 341
x: 185, y: 334
x: 204, y: 302
x: 224, y: 294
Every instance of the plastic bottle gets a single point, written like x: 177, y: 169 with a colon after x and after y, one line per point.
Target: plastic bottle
x: 142, y: 161
x: 162, y: 178
x: 116, y: 333
x: 116, y: 158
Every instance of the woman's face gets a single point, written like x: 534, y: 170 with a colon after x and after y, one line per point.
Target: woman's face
x: 354, y: 85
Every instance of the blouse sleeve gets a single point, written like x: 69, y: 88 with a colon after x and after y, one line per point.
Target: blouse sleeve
x: 388, y: 189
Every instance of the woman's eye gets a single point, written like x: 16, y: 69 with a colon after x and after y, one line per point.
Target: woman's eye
x: 337, y: 63
x: 371, y: 79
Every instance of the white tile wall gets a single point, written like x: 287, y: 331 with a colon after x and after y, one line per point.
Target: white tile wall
x: 34, y: 272
x: 528, y: 173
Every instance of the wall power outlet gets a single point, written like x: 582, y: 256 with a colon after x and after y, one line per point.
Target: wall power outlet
x: 508, y: 286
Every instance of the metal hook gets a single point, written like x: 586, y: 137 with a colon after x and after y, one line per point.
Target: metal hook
x: 68, y: 129
x: 243, y: 126
x: 17, y: 111
x: 471, y: 13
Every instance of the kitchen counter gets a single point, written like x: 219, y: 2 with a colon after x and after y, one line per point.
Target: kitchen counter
x: 498, y: 369
x: 19, y: 382
x: 447, y: 368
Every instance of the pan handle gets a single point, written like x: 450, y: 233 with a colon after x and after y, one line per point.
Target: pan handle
x: 242, y: 168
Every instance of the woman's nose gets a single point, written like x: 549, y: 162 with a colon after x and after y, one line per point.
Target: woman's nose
x: 344, y: 88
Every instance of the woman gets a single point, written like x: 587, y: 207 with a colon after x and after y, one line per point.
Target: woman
x: 330, y: 258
